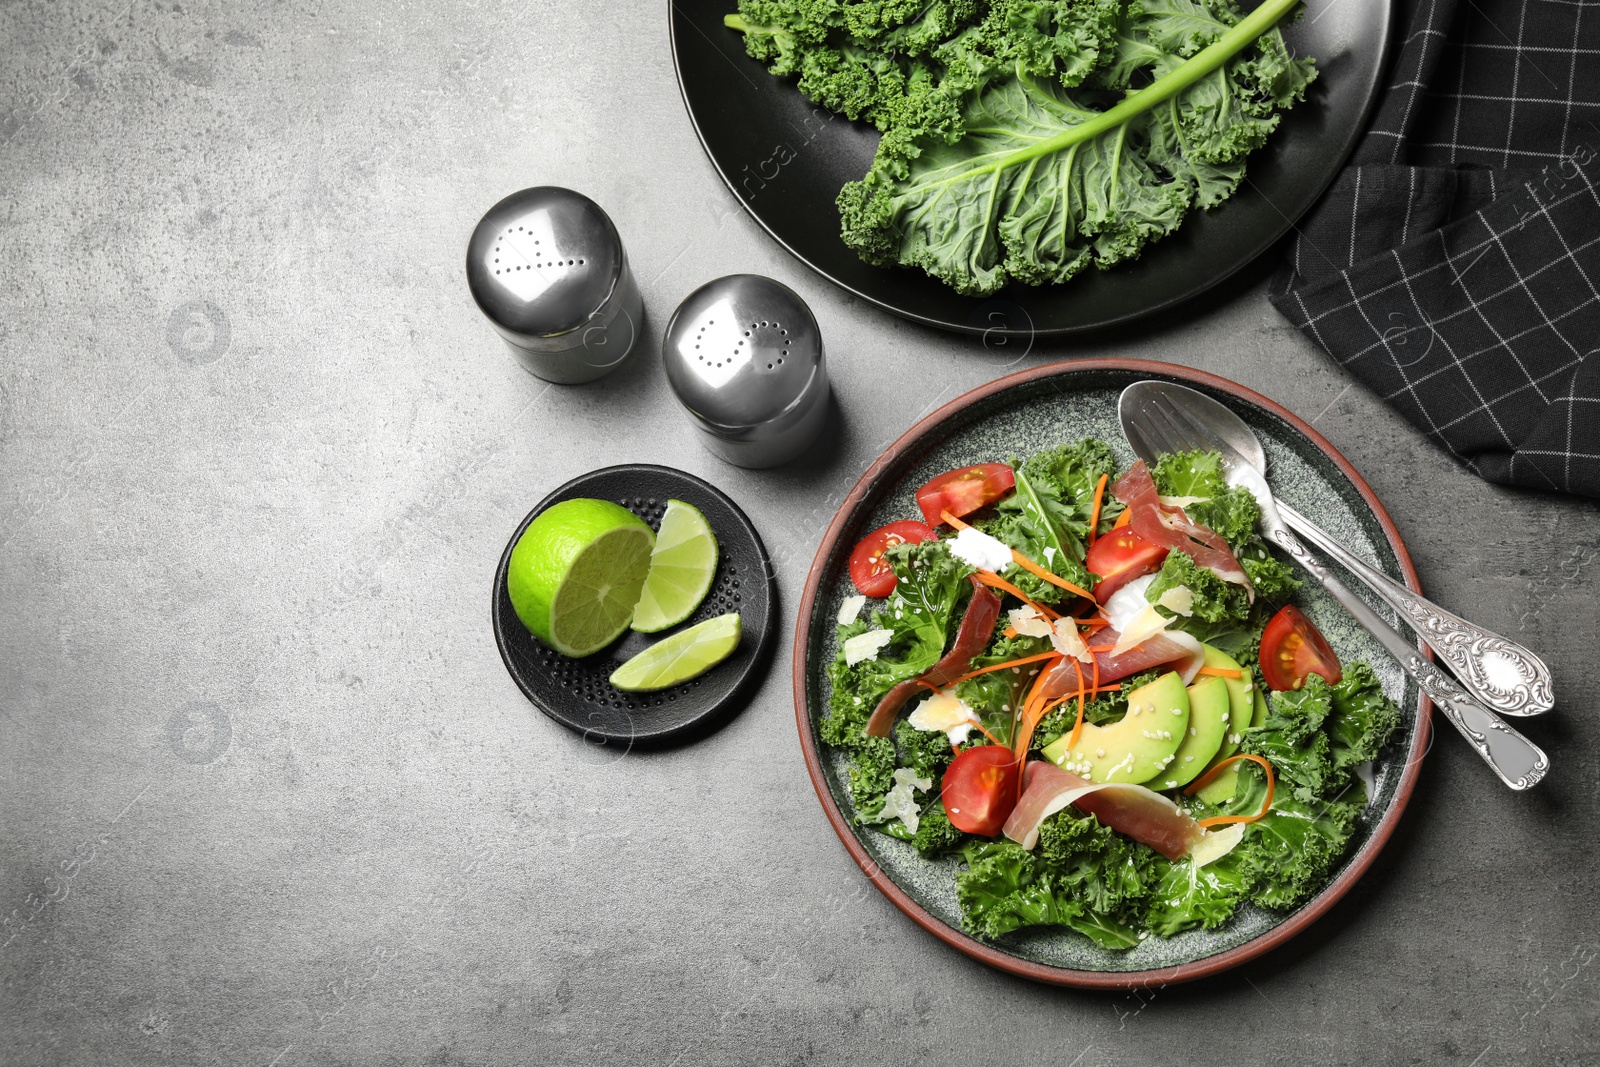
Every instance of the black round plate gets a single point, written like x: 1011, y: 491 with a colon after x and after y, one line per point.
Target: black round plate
x: 576, y: 692
x: 786, y: 159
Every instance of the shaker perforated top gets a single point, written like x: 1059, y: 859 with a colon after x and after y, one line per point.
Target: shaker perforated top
x: 742, y: 352
x: 543, y: 262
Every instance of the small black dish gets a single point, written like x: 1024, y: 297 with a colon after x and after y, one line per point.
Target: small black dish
x: 577, y: 693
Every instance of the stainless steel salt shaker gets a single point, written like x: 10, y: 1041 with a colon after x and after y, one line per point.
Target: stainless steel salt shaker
x: 548, y: 269
x: 744, y: 356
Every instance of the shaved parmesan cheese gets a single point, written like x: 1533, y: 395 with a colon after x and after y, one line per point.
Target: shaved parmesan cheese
x: 865, y: 646
x: 1141, y: 628
x: 900, y: 803
x: 977, y: 549
x: 1216, y: 844
x: 1028, y: 622
x: 944, y: 712
x: 1127, y: 602
x: 1066, y: 639
x: 1182, y: 501
x: 1180, y: 598
x: 850, y: 610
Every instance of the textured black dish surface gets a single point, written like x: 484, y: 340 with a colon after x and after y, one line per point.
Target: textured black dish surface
x: 786, y: 159
x: 576, y: 692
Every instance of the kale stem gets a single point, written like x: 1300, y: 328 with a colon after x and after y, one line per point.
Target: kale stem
x: 1202, y: 63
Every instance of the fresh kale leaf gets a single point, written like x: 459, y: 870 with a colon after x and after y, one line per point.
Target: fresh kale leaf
x: 919, y: 614
x: 1190, y: 896
x: 1363, y: 719
x: 1312, y: 737
x: 935, y: 836
x: 1292, y: 740
x: 1003, y: 888
x: 1046, y: 180
x: 1082, y: 875
x: 1274, y: 579
x: 1215, y: 601
x: 1231, y: 511
x: 1292, y: 851
x: 1036, y: 522
x: 1072, y: 471
x: 927, y: 752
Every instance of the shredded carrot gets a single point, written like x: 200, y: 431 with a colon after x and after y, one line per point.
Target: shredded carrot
x: 1025, y: 726
x: 1008, y: 663
x: 1010, y: 631
x: 1102, y: 648
x: 1025, y: 563
x: 1123, y: 519
x: 1077, y: 727
x: 1211, y: 776
x: 1095, y: 665
x: 1094, y: 514
x: 1033, y: 568
x: 1220, y: 672
x: 994, y: 581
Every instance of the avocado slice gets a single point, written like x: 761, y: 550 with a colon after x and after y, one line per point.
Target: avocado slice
x: 1240, y: 702
x: 1209, y: 720
x: 1221, y: 791
x: 1136, y: 747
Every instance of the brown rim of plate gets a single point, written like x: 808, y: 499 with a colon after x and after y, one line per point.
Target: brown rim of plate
x: 1186, y: 972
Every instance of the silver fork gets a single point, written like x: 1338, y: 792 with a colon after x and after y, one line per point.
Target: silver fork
x: 1164, y: 425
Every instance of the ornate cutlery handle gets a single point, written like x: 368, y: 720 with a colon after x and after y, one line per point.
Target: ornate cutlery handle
x: 1499, y: 672
x: 1519, y: 762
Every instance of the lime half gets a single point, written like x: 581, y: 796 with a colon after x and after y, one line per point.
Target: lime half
x: 576, y: 572
x: 681, y: 569
x: 686, y: 654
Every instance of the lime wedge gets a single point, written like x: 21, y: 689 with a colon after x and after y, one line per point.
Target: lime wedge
x: 681, y: 569
x: 686, y: 654
x: 576, y: 572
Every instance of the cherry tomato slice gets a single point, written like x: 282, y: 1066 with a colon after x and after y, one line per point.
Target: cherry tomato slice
x: 1293, y: 649
x: 869, y: 570
x: 1121, y: 556
x: 980, y: 789
x: 965, y: 490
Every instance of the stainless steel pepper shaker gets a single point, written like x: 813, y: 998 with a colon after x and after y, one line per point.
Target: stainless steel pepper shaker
x: 744, y: 356
x: 547, y: 268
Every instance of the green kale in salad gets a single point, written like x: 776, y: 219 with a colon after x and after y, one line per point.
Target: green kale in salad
x: 1081, y: 874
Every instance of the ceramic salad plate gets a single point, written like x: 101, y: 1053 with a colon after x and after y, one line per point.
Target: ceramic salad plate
x: 1015, y: 416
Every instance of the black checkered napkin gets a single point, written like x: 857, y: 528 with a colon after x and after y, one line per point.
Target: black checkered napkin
x: 1454, y: 265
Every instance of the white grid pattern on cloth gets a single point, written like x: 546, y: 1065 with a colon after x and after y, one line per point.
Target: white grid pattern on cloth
x: 1502, y: 286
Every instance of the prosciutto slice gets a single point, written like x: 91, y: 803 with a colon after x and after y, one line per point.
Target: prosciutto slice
x: 1175, y: 648
x: 1141, y: 814
x: 977, y: 627
x: 1166, y: 525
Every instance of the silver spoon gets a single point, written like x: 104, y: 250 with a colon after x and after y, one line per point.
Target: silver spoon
x: 1161, y: 417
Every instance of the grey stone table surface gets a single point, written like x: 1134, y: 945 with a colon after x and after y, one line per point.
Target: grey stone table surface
x: 268, y: 795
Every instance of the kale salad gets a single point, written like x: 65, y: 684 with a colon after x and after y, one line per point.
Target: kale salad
x: 1089, y: 686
